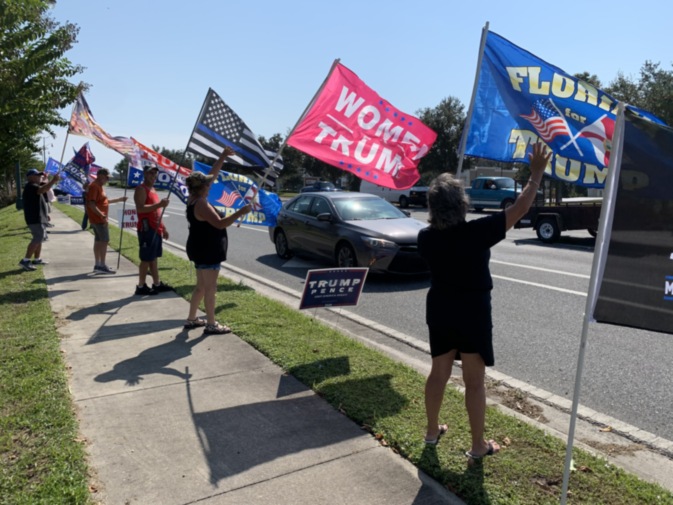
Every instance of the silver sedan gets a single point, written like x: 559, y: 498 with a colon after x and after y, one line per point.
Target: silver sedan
x: 349, y: 229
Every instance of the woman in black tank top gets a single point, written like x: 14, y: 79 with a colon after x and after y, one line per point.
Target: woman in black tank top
x: 207, y: 246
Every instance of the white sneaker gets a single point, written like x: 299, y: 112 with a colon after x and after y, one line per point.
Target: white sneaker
x: 26, y: 265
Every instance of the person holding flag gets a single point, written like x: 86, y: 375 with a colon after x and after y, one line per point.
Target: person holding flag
x: 207, y: 245
x: 97, y: 207
x: 458, y: 252
x: 36, y: 214
x: 151, y: 232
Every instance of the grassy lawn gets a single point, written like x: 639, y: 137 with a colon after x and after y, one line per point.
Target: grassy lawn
x: 41, y: 459
x: 382, y: 395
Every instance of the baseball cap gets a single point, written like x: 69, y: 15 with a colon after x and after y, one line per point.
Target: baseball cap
x: 33, y: 171
x: 147, y: 168
x: 198, y: 179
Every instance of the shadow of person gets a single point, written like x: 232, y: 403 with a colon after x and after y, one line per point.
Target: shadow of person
x: 110, y: 307
x: 469, y: 485
x: 240, y: 438
x: 154, y: 360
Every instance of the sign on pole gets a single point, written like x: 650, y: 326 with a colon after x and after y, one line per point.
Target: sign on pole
x: 128, y: 219
x: 333, y: 287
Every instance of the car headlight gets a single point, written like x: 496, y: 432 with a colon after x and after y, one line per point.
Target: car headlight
x: 379, y: 243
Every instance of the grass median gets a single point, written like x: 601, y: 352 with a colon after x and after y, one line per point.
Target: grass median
x: 380, y: 394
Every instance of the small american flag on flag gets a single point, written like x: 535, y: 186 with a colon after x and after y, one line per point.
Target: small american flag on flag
x: 229, y: 198
x: 547, y: 120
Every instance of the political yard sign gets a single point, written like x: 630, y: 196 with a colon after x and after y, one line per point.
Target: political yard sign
x: 333, y: 287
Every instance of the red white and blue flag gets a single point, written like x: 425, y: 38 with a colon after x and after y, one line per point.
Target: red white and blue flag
x: 547, y: 120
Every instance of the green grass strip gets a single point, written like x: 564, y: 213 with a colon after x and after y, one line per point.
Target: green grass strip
x: 41, y: 459
x: 386, y: 398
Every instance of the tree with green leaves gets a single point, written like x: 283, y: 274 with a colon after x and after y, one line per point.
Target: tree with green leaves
x: 447, y: 120
x: 34, y: 77
x: 653, y: 91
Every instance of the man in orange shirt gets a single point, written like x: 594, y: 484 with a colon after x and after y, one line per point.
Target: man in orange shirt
x: 97, y: 206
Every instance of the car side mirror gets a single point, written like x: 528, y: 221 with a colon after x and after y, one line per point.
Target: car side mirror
x: 406, y: 213
x: 325, y: 216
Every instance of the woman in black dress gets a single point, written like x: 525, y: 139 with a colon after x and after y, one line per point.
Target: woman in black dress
x: 207, y: 245
x: 458, y: 310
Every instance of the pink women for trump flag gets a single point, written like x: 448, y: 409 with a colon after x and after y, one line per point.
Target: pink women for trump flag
x: 351, y: 127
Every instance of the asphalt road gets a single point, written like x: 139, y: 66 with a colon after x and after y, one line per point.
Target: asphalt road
x: 538, y: 302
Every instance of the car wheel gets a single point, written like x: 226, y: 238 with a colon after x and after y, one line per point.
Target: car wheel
x: 345, y: 256
x: 506, y: 204
x: 548, y: 230
x: 404, y: 202
x: 282, y: 248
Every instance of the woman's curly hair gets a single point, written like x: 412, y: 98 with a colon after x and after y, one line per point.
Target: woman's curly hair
x: 447, y: 202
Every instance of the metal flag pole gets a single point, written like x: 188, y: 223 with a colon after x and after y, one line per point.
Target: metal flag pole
x: 301, y: 117
x: 597, y: 268
x: 468, y: 119
x: 182, y: 160
x: 121, y: 223
x: 67, y: 132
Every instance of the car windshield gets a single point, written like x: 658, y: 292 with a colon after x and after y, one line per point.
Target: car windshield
x: 504, y: 183
x: 357, y: 209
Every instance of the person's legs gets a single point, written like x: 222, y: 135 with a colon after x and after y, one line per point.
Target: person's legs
x: 99, y: 252
x: 474, y: 371
x: 154, y: 271
x: 143, y: 268
x: 148, y: 259
x: 33, y: 249
x: 209, y: 278
x: 435, y: 386
x: 197, y: 295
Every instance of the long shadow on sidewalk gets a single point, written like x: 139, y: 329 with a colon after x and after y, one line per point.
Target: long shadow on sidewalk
x: 239, y: 438
x: 155, y: 360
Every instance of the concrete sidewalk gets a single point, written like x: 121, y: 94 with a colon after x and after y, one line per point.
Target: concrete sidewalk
x: 175, y: 417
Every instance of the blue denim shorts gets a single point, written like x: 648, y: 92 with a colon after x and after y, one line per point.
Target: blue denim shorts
x: 207, y: 267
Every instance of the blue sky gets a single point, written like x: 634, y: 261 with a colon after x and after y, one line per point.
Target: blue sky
x: 151, y: 63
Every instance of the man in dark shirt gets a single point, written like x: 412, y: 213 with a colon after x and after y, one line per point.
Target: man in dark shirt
x: 36, y: 213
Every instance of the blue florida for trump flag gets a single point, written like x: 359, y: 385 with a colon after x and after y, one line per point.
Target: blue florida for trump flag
x: 521, y: 98
x: 232, y: 191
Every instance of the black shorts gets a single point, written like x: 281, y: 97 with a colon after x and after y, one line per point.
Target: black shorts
x: 150, y: 245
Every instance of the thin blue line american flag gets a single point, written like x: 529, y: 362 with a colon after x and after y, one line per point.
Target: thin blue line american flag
x: 547, y: 120
x: 218, y: 127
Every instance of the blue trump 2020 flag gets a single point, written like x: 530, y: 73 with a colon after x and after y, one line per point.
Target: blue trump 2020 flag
x: 521, y: 99
x: 67, y: 183
x: 232, y: 191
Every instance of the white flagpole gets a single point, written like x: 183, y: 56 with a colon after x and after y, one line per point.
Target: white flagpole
x: 468, y: 119
x: 303, y: 114
x: 598, y: 265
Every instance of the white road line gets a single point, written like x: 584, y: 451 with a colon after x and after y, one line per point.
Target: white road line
x: 548, y: 270
x: 545, y: 286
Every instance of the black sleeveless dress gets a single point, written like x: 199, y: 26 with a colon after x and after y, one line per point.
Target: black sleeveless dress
x: 206, y: 245
x: 458, y: 307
